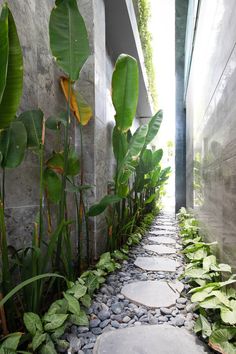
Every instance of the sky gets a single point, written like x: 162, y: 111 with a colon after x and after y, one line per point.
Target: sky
x: 162, y: 28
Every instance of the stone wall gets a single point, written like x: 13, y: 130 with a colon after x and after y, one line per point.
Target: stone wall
x: 211, y: 117
x: 42, y: 90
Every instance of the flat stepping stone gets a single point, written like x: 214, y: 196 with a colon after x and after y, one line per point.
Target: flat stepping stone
x: 158, y: 264
x: 165, y: 228
x: 162, y: 339
x: 162, y: 232
x: 153, y: 294
x: 162, y: 239
x: 160, y: 249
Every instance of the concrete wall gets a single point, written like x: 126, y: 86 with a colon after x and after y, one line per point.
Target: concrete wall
x: 211, y: 112
x: 42, y: 90
x: 181, y: 7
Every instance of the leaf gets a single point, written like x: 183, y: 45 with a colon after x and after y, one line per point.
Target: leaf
x: 48, y: 348
x: 33, y: 323
x: 4, y: 48
x: 52, y: 184
x: 73, y: 303
x: 80, y: 320
x: 38, y: 340
x: 130, y: 160
x: 156, y: 157
x: 208, y: 262
x: 54, y: 122
x: 68, y: 37
x: 203, y: 325
x: 153, y: 127
x: 228, y: 315
x: 56, y: 163
x: 86, y: 300
x: 27, y: 282
x: 13, y: 144
x: 55, y: 321
x: 80, y: 108
x: 219, y: 340
x: 10, y: 343
x: 33, y: 122
x: 91, y: 281
x: 14, y: 80
x: 151, y: 198
x: 120, y: 145
x: 78, y: 290
x: 125, y: 82
x: 98, y: 208
x: 197, y: 273
x: 58, y: 306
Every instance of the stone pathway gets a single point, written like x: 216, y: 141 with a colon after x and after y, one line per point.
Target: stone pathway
x: 142, y: 308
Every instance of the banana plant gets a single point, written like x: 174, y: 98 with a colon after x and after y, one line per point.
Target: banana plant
x: 70, y: 48
x: 12, y: 134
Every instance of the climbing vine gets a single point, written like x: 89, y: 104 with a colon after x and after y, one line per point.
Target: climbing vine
x: 144, y: 14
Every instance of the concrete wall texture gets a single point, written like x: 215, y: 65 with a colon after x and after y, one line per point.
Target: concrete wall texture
x: 211, y: 121
x: 42, y: 90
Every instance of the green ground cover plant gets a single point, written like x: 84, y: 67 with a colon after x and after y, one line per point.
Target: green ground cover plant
x: 211, y: 290
x: 47, y: 285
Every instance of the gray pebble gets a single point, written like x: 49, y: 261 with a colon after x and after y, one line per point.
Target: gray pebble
x: 165, y: 311
x: 115, y: 324
x: 181, y: 300
x: 179, y: 320
x: 162, y: 319
x: 94, y: 323
x: 117, y: 307
x: 126, y: 319
x: 103, y: 315
x: 96, y: 331
x: 103, y: 324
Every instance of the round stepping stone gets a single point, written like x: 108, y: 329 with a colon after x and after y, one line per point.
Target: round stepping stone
x: 158, y: 264
x: 163, y: 239
x: 160, y: 249
x: 153, y: 339
x: 153, y: 294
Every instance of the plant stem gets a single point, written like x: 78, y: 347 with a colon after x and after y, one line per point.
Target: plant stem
x: 63, y: 186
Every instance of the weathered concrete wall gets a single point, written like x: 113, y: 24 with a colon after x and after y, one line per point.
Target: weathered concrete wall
x: 211, y: 108
x: 42, y: 90
x: 180, y: 130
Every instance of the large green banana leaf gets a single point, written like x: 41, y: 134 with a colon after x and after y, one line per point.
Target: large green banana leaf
x: 13, y: 142
x: 153, y: 127
x: 98, y: 208
x: 4, y: 48
x: 125, y: 84
x: 130, y: 160
x: 120, y: 145
x: 14, y: 80
x: 68, y: 37
x: 33, y: 122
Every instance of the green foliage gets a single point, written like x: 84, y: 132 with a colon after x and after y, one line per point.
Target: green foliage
x: 125, y: 91
x: 144, y: 14
x: 13, y: 142
x: 98, y: 208
x: 215, y: 298
x: 68, y: 38
x: 11, y: 83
